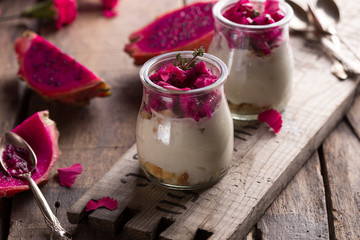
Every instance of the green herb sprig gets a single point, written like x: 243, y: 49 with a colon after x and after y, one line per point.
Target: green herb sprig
x: 186, y: 64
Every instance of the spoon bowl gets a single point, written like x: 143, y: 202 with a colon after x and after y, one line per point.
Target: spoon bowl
x: 18, y: 142
x: 309, y: 16
x: 329, y: 11
x: 300, y: 21
x: 16, y: 157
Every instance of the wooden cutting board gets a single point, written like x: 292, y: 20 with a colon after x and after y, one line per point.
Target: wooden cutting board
x: 263, y: 163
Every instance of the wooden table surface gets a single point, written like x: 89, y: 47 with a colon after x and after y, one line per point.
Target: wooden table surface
x: 322, y: 201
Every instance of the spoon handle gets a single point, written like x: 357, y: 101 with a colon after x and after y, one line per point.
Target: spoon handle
x: 337, y: 54
x: 333, y: 46
x: 51, y: 220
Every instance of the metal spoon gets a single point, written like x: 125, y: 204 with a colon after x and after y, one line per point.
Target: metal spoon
x: 300, y: 22
x: 57, y: 232
x: 323, y: 26
x: 330, y: 13
x: 303, y: 18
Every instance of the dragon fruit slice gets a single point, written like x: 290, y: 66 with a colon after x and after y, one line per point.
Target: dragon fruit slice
x: 40, y: 132
x: 186, y: 28
x: 55, y: 75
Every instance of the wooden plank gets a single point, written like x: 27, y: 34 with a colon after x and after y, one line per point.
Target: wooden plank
x: 99, y: 134
x: 86, y: 138
x: 300, y: 210
x: 5, y: 207
x: 262, y: 165
x: 353, y: 116
x: 11, y: 90
x: 343, y: 181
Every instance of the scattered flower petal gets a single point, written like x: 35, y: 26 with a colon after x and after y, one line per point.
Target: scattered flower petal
x: 66, y: 12
x: 272, y: 118
x: 109, y: 13
x: 108, y: 8
x: 68, y: 175
x: 107, y: 202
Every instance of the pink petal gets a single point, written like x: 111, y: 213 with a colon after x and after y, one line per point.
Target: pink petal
x: 272, y: 118
x: 109, y: 8
x: 68, y: 175
x: 106, y: 202
x: 109, y: 13
x: 109, y: 4
x: 66, y: 12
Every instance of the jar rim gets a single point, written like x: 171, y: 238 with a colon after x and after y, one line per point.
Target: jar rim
x: 207, y: 58
x: 224, y: 3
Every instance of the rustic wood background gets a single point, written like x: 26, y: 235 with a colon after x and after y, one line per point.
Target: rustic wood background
x: 321, y: 202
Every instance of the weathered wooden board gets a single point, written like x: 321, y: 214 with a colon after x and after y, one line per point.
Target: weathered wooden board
x: 300, y: 210
x: 353, y: 116
x: 263, y: 164
x: 99, y: 134
x: 11, y: 91
x: 96, y: 135
x: 343, y: 179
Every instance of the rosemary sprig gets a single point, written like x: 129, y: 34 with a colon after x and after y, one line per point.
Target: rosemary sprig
x: 186, y: 64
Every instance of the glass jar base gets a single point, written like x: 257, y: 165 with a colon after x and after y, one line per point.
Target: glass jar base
x: 244, y: 117
x: 250, y: 112
x: 172, y: 186
x: 246, y: 111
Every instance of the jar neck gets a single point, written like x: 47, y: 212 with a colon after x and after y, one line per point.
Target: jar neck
x: 216, y: 66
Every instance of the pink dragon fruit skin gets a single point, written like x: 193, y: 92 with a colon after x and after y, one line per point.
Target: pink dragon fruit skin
x: 55, y: 75
x: 40, y: 132
x: 186, y: 28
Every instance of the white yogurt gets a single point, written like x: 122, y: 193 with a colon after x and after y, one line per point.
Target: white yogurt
x: 200, y: 150
x: 256, y: 83
x: 263, y: 81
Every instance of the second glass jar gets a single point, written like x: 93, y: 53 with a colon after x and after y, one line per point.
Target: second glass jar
x: 259, y: 59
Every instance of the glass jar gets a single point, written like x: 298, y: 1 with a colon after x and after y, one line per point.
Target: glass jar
x: 184, y: 138
x: 259, y: 59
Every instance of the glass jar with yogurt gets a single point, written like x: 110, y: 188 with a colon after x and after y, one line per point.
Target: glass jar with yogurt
x: 184, y: 136
x: 257, y: 53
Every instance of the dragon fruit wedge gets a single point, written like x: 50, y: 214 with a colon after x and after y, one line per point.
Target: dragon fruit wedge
x: 40, y: 132
x: 186, y: 28
x: 55, y: 75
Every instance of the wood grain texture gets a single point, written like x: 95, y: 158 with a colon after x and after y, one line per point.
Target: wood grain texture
x: 343, y: 178
x: 353, y: 116
x: 262, y: 165
x: 300, y: 210
x: 11, y: 89
x: 99, y: 134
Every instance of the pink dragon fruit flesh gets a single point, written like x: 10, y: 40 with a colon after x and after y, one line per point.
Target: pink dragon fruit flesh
x: 40, y: 132
x: 186, y: 28
x: 54, y: 74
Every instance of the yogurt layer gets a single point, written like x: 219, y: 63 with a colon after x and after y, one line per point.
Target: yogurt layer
x: 186, y: 151
x: 264, y: 81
